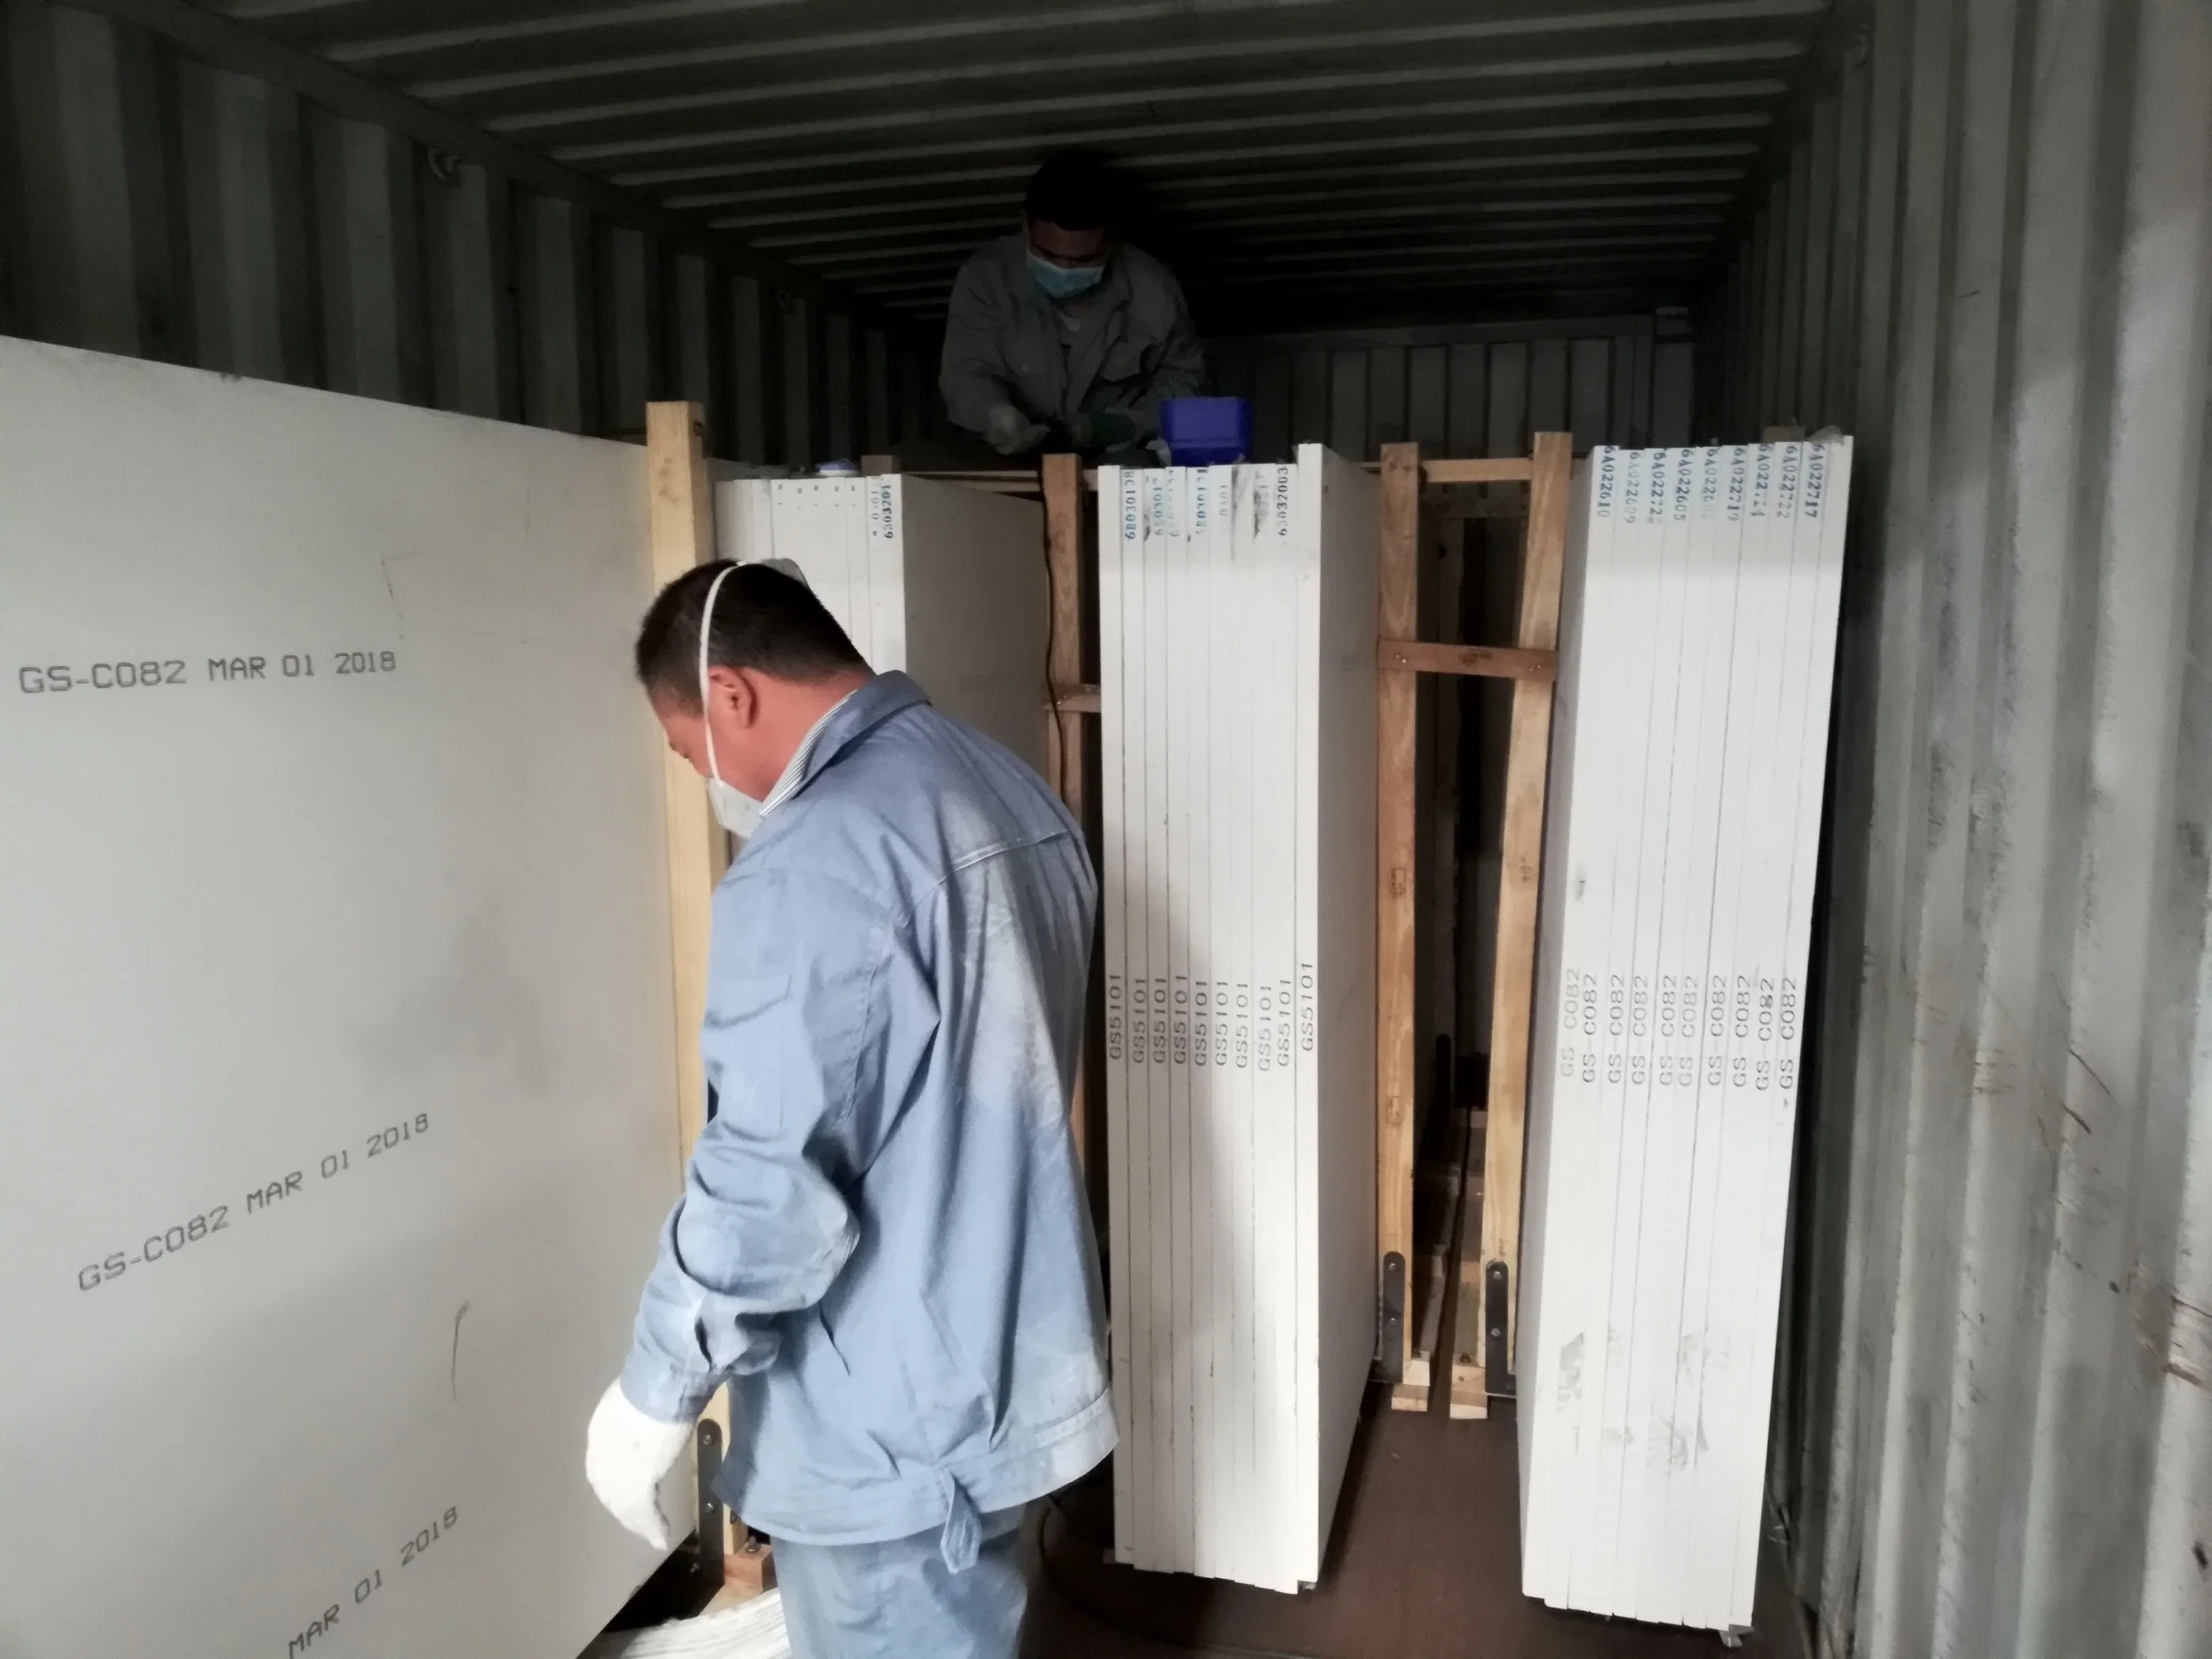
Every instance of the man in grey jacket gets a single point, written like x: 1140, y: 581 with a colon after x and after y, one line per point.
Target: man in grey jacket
x: 883, y: 1245
x: 1062, y: 332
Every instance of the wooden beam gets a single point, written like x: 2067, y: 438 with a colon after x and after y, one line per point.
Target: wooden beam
x: 680, y: 530
x: 681, y: 520
x: 1394, y: 731
x: 1439, y: 1188
x: 1466, y: 1398
x: 1527, y: 762
x: 1506, y: 468
x: 1063, y: 540
x: 1495, y: 662
x: 1061, y: 477
x: 1461, y: 1400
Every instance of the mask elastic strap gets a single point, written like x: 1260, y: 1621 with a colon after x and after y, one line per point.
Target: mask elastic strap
x: 706, y: 634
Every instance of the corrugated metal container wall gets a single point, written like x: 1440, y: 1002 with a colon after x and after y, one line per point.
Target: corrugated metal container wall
x: 1989, y: 255
x: 1471, y: 390
x: 155, y: 206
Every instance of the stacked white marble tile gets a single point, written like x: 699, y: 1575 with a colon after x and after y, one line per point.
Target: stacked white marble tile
x: 946, y: 583
x: 336, y: 1084
x: 1689, y: 757
x: 1237, y: 621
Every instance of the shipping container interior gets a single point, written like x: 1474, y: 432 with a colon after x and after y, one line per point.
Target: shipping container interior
x: 1975, y: 235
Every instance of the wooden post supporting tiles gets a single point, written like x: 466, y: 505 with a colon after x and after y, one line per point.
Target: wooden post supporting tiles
x: 1488, y: 1281
x: 680, y: 530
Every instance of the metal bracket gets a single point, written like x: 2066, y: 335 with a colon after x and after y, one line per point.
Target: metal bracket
x: 710, y: 1506
x: 1390, y: 1327
x: 1497, y: 1372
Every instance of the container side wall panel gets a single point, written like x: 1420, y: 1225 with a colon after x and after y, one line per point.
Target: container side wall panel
x: 1987, y: 253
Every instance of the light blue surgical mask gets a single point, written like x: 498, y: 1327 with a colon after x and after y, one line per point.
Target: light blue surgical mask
x: 1064, y: 282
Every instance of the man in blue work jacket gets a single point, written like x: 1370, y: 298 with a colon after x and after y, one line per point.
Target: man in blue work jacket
x: 882, y: 1244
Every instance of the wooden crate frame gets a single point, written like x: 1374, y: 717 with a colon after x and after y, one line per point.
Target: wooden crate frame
x: 1488, y: 1286
x: 1478, y: 1369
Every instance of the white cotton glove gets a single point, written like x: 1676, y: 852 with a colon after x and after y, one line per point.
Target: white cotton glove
x: 627, y: 1455
x: 1010, y: 432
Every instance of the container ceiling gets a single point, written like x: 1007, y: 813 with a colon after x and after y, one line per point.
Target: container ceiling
x: 1300, y: 161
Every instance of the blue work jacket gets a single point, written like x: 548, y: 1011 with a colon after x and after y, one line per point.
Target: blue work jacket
x: 882, y: 1243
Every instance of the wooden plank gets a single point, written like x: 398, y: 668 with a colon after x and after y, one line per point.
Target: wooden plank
x: 1496, y: 469
x: 1395, y: 724
x: 680, y: 528
x: 1062, y: 479
x: 1528, y: 764
x: 1470, y: 1397
x: 1428, y: 688
x: 1495, y: 662
x: 1440, y: 878
x: 1439, y: 1187
x: 748, y: 1574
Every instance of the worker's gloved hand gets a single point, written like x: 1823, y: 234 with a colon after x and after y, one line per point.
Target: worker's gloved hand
x: 1010, y: 432
x: 1112, y: 429
x: 1109, y: 428
x: 627, y: 1455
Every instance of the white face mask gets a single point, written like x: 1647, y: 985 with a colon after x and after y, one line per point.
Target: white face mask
x: 734, y: 810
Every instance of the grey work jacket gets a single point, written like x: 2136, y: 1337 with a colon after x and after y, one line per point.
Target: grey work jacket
x: 1006, y: 343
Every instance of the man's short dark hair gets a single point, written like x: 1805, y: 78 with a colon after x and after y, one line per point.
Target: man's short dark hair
x: 764, y: 620
x: 1075, y: 190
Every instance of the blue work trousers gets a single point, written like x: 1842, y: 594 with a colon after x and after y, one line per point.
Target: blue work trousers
x: 901, y: 1599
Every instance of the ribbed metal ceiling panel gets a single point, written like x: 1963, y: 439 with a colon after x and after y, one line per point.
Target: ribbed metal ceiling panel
x: 1298, y: 160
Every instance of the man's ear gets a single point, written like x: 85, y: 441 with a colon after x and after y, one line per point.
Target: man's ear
x: 732, y: 691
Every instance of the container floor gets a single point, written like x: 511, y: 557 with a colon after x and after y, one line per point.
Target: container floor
x: 1426, y: 1562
